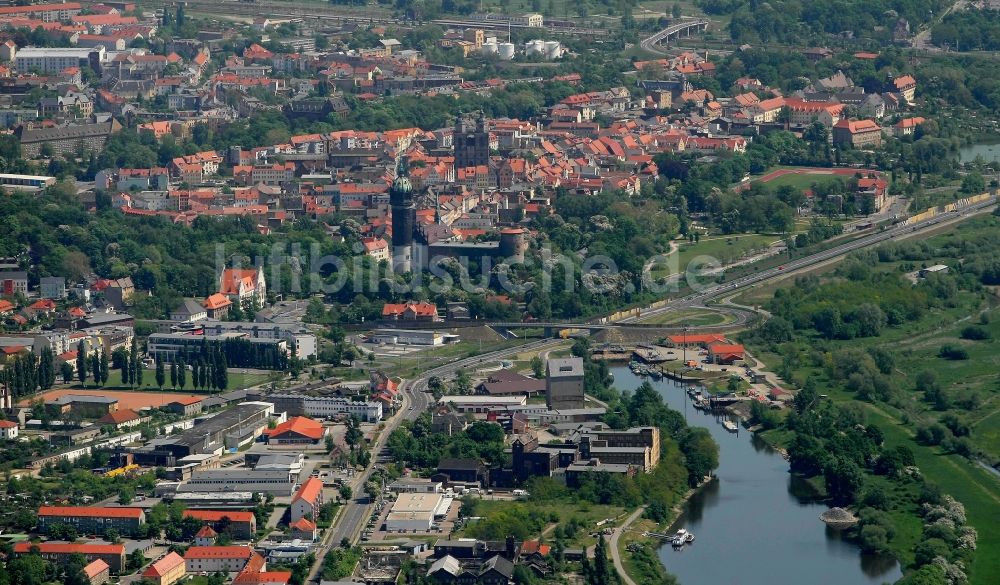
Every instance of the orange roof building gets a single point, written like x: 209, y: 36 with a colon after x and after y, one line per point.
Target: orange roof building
x: 723, y: 353
x: 166, y: 571
x: 307, y: 501
x: 241, y: 525
x: 296, y: 430
x: 97, y: 572
x: 112, y: 554
x: 91, y: 520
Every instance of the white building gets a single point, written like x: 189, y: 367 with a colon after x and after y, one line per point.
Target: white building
x: 412, y: 337
x: 8, y: 430
x: 300, y: 335
x: 276, y: 482
x: 483, y: 404
x: 416, y: 512
x: 307, y: 501
x: 54, y: 60
x: 217, y: 559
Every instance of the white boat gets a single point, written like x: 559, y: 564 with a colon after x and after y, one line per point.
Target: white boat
x: 730, y: 426
x: 681, y: 538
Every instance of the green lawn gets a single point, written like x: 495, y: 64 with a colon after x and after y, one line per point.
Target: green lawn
x: 419, y: 361
x: 976, y: 488
x: 691, y: 317
x: 236, y: 381
x: 804, y: 180
x: 586, y: 514
x: 723, y: 249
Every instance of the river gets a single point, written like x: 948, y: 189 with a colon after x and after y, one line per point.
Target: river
x: 756, y: 523
x: 990, y: 151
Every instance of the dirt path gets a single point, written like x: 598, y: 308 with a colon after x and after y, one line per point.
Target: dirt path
x: 613, y: 545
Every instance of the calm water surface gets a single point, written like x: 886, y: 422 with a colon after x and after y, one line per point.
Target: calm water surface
x: 756, y: 524
x: 990, y: 151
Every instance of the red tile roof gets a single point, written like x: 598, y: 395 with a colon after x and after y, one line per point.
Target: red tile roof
x: 218, y: 515
x: 96, y: 568
x: 68, y: 549
x: 216, y: 301
x: 87, y: 512
x: 726, y: 349
x: 303, y: 525
x: 118, y: 417
x: 696, y: 338
x: 310, y: 491
x: 164, y: 566
x: 218, y: 552
x: 300, y: 425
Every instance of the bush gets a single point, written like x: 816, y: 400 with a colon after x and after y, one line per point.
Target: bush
x: 928, y: 550
x: 874, y: 539
x: 975, y: 333
x: 953, y: 352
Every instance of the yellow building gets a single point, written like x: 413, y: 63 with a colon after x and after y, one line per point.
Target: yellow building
x: 166, y: 571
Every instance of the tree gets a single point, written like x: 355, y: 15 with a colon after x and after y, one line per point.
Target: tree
x: 173, y: 374
x: 181, y: 372
x: 66, y: 371
x: 95, y: 366
x: 81, y: 363
x: 136, y: 559
x: 844, y: 479
x: 701, y: 454
x: 675, y: 11
x: 136, y: 366
x: 105, y: 368
x: 346, y: 492
x: 46, y: 369
x: 161, y: 375
x: 537, y: 367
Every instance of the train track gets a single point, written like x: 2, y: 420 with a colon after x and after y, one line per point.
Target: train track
x: 340, y: 16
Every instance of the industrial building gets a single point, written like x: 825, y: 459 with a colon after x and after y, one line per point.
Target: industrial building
x: 167, y: 346
x: 416, y: 512
x: 275, y: 482
x: 564, y: 383
x: 320, y: 404
x: 412, y: 337
x: 228, y: 429
x: 483, y: 404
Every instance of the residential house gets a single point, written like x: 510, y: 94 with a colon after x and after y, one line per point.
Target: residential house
x: 307, y: 501
x: 167, y: 570
x: 244, y: 285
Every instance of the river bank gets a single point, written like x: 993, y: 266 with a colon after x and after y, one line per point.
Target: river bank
x: 753, y: 493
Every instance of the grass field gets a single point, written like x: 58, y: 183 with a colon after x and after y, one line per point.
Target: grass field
x: 691, y: 317
x: 237, y: 380
x: 723, y: 249
x: 586, y: 514
x: 803, y: 181
x: 409, y: 365
x: 915, y: 347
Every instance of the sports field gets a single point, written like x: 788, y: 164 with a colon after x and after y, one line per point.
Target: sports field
x: 132, y: 400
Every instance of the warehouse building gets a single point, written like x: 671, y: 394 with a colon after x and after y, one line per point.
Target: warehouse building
x: 416, y: 512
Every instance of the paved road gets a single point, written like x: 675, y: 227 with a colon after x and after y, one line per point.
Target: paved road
x: 354, y: 513
x: 652, y: 43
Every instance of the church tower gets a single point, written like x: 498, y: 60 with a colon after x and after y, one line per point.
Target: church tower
x: 471, y: 142
x: 404, y: 220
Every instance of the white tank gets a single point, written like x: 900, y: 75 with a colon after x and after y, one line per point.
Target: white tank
x: 536, y: 47
x: 506, y: 51
x: 552, y: 50
x: 489, y: 49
